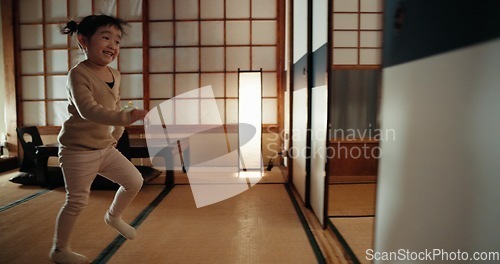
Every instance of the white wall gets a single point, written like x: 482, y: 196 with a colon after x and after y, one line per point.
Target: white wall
x: 439, y: 176
x: 299, y: 29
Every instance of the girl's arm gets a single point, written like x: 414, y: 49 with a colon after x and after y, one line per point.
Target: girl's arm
x: 87, y: 107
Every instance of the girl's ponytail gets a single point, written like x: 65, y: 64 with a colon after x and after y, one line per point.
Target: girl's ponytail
x: 70, y: 28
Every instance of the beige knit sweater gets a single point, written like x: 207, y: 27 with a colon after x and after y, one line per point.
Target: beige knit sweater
x: 95, y: 119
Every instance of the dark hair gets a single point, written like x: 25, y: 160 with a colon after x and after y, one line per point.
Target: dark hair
x: 89, y: 25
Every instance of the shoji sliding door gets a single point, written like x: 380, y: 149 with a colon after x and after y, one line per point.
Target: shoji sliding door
x: 310, y: 101
x: 171, y: 47
x: 300, y: 96
x: 319, y: 106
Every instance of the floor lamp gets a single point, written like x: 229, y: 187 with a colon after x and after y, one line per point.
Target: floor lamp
x: 250, y: 113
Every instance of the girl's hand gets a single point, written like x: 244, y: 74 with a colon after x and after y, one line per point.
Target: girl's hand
x: 137, y: 114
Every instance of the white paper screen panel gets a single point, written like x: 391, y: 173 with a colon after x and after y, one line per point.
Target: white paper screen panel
x: 345, y: 21
x: 56, y: 87
x: 161, y: 34
x: 212, y: 33
x: 186, y: 9
x: 36, y: 116
x: 371, y: 21
x: 79, y: 8
x: 238, y: 9
x: 161, y: 85
x: 32, y: 62
x: 345, y: 5
x: 237, y: 57
x: 212, y: 59
x: 33, y: 88
x: 107, y: 7
x: 264, y: 32
x: 187, y: 111
x: 130, y: 60
x: 345, y: 56
x: 237, y: 32
x: 212, y: 9
x: 161, y: 60
x: 167, y: 111
x: 133, y: 36
x: 31, y: 37
x: 30, y: 11
x: 186, y: 83
x: 264, y: 57
x: 209, y: 115
x: 57, y: 113
x: 232, y: 85
x: 55, y: 10
x: 232, y: 111
x: 345, y: 39
x: 56, y: 61
x: 216, y: 81
x: 131, y: 86
x: 357, y: 32
x: 187, y: 59
x: 370, y: 56
x: 53, y: 37
x: 269, y: 85
x: 264, y: 9
x: 370, y: 39
x: 269, y: 111
x: 371, y: 6
x: 161, y: 9
x: 130, y: 9
x: 186, y: 33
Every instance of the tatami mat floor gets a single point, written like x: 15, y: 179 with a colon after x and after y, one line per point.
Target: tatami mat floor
x: 10, y: 192
x: 260, y: 225
x: 257, y: 226
x: 357, y: 233
x: 352, y: 216
x: 353, y: 199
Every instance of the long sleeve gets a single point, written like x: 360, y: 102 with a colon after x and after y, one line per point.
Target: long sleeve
x: 118, y: 132
x: 93, y: 105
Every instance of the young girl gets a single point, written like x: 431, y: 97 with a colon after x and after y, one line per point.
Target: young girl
x: 88, y: 137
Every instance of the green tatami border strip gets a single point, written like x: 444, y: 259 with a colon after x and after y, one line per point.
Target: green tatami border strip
x: 111, y: 249
x: 350, y: 216
x: 343, y: 242
x: 23, y: 200
x: 310, y: 235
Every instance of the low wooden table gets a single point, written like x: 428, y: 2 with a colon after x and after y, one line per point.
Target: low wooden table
x: 138, y: 149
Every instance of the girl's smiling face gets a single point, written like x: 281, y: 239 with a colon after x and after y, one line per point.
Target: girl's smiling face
x: 104, y: 46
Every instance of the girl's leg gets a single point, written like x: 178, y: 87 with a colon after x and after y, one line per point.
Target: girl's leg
x: 119, y: 169
x: 79, y: 170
